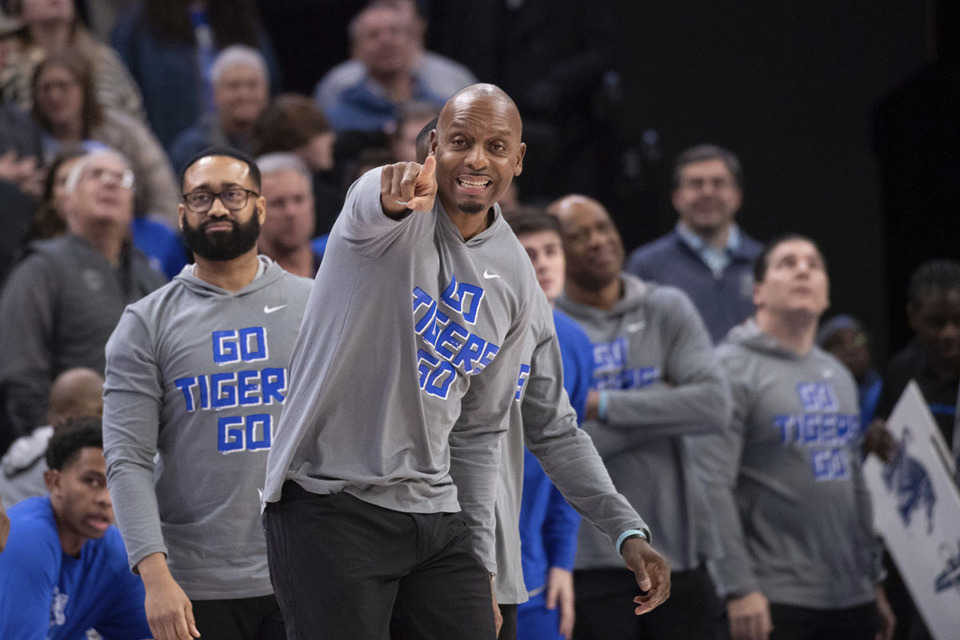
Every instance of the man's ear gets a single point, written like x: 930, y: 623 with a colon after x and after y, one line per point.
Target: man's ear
x: 522, y: 151
x: 180, y: 213
x: 51, y: 477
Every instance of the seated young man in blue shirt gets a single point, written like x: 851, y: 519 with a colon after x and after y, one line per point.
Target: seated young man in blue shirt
x: 64, y: 569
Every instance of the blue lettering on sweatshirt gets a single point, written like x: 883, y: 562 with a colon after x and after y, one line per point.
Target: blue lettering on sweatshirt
x: 447, y: 345
x: 821, y: 429
x: 522, y: 380
x: 610, y: 369
x: 224, y: 390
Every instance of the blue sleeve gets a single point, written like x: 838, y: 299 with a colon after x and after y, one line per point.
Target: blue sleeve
x: 576, y: 354
x: 127, y: 617
x: 560, y: 530
x: 28, y: 574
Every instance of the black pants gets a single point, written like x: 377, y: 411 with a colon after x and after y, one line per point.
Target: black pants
x: 801, y: 623
x: 240, y: 619
x: 604, y: 607
x: 339, y: 565
x: 508, y: 630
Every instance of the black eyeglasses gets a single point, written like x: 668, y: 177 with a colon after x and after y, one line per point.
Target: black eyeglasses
x: 232, y: 199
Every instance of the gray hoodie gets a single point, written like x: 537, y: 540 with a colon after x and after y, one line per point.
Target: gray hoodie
x: 786, y: 478
x: 196, y: 376
x: 541, y: 417
x: 406, y: 364
x: 664, y: 387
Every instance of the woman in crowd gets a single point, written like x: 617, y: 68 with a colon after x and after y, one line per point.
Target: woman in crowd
x: 49, y: 27
x: 66, y: 108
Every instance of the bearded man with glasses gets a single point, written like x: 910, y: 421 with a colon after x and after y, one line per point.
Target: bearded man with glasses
x: 66, y: 295
x: 196, y: 376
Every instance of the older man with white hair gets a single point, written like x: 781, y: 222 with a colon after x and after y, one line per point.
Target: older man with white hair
x: 64, y: 298
x: 241, y: 91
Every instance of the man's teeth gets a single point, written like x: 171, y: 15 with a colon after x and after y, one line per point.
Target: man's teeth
x: 476, y: 185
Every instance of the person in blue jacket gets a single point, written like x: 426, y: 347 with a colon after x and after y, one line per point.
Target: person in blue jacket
x: 548, y: 525
x: 64, y: 569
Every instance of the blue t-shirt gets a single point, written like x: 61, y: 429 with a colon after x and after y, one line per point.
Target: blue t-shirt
x: 46, y: 594
x: 548, y: 525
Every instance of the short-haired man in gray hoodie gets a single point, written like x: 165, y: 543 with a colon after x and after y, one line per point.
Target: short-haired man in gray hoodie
x: 659, y: 386
x: 799, y: 558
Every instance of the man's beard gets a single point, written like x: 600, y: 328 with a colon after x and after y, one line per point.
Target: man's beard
x: 222, y: 245
x: 472, y: 207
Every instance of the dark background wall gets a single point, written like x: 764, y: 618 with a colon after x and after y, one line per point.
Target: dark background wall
x: 790, y: 87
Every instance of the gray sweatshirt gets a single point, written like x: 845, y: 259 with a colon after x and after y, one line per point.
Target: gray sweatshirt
x: 786, y: 480
x: 58, y: 308
x: 541, y: 417
x: 196, y: 376
x: 408, y: 330
x: 663, y: 385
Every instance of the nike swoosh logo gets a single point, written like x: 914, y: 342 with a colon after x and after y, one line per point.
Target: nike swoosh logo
x: 488, y: 275
x: 269, y: 309
x: 635, y: 326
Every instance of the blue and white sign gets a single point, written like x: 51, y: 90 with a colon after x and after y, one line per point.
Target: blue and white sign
x: 916, y: 508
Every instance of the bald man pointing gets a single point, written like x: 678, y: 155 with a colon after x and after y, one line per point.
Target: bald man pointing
x: 381, y: 481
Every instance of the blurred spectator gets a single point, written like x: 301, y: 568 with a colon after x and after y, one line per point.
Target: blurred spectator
x: 441, y: 75
x: 784, y: 477
x: 384, y: 44
x: 64, y: 298
x: 289, y: 226
x: 932, y: 358
x: 50, y: 220
x: 240, y: 94
x: 75, y: 393
x: 20, y: 155
x: 658, y: 387
x: 706, y: 255
x: 412, y: 117
x: 50, y: 27
x: 67, y: 110
x: 844, y: 338
x: 155, y: 239
x: 64, y: 570
x: 293, y: 124
x: 169, y: 47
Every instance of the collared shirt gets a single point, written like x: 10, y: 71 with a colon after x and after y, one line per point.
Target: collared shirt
x: 716, y: 259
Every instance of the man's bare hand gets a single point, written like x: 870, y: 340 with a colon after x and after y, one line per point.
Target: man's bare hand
x: 879, y: 441
x: 652, y: 571
x: 749, y: 617
x: 887, y: 619
x: 560, y: 593
x: 169, y: 612
x: 593, y: 405
x: 408, y: 185
x: 497, y: 616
